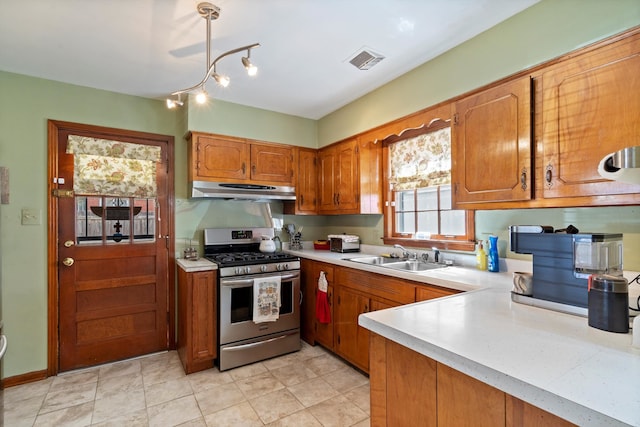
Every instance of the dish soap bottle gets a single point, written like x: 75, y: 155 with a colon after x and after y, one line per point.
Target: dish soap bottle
x: 494, y: 259
x: 481, y: 258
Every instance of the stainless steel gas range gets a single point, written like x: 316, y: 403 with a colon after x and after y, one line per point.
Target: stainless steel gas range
x: 246, y: 332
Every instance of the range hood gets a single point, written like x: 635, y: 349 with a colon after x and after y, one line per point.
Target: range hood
x: 233, y: 191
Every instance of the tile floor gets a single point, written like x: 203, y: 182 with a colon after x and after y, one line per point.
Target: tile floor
x: 307, y: 388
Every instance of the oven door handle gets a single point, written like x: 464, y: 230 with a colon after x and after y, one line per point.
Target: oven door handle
x: 259, y: 343
x: 241, y: 283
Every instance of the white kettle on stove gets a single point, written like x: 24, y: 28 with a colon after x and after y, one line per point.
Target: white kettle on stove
x: 267, y: 245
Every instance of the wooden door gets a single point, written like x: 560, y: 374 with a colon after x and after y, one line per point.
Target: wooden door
x: 327, y: 178
x: 112, y: 260
x: 307, y: 182
x: 491, y: 145
x: 352, y: 340
x: 219, y: 158
x: 272, y: 164
x: 590, y: 109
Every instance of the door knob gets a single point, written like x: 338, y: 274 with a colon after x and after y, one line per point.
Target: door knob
x: 68, y: 261
x: 69, y: 243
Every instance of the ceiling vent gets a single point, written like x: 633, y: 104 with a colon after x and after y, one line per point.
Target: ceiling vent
x: 365, y: 59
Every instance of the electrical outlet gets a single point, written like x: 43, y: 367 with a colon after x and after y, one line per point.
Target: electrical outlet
x: 31, y: 216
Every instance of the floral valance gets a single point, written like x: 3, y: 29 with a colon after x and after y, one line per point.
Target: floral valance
x: 113, y: 168
x: 421, y: 161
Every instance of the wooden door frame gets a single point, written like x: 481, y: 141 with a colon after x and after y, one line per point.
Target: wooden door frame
x: 54, y: 126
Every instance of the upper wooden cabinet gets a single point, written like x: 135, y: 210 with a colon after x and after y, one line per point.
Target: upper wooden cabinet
x: 216, y: 157
x: 491, y: 145
x: 306, y: 202
x: 590, y: 108
x: 349, y: 178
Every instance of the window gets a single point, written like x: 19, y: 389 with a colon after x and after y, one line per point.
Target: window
x: 419, y: 181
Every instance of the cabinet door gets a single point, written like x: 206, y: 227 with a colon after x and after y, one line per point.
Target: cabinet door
x: 522, y: 414
x: 327, y: 194
x: 465, y: 401
x: 352, y: 341
x: 590, y: 109
x: 347, y: 179
x: 307, y: 182
x: 424, y: 293
x: 491, y: 145
x: 324, y: 331
x: 203, y: 316
x: 312, y: 331
x: 272, y: 163
x: 220, y: 158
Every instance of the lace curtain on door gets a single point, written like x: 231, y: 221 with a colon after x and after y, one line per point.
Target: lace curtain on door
x: 113, y: 168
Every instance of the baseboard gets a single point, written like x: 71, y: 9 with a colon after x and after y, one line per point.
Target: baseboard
x: 23, y: 378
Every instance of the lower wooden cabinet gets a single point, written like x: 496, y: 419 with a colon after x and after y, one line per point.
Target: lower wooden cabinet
x: 312, y: 331
x: 407, y: 386
x: 197, y: 319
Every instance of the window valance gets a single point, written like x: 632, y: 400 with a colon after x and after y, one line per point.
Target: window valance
x: 113, y: 168
x: 421, y: 161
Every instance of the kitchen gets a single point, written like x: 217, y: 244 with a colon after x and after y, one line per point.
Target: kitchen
x: 23, y: 144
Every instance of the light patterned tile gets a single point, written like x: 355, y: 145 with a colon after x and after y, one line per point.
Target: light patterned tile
x: 363, y: 423
x: 247, y: 371
x: 241, y: 414
x: 198, y: 422
x: 27, y: 391
x: 313, y: 391
x: 127, y: 367
x: 174, y: 412
x: 293, y: 374
x: 322, y: 365
x: 119, y: 384
x: 68, y: 397
x: 210, y: 378
x: 274, y: 406
x: 159, y: 361
x: 345, y: 379
x: 133, y: 419
x: 73, y: 416
x: 118, y: 405
x: 361, y: 396
x: 297, y: 419
x: 166, y: 391
x: 22, y: 412
x: 72, y: 380
x: 337, y: 412
x: 220, y: 397
x: 163, y: 373
x: 258, y: 385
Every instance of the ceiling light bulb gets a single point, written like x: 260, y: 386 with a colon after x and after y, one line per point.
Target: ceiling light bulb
x: 173, y: 103
x: 222, y: 80
x: 252, y: 70
x: 201, y: 97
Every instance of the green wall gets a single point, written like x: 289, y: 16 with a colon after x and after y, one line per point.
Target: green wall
x: 546, y: 30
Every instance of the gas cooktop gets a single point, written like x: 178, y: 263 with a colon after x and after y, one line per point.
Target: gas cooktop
x: 231, y: 259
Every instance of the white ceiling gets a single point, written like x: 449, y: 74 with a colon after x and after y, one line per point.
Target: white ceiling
x: 151, y: 48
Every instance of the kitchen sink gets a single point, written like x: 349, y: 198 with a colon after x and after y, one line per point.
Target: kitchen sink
x: 397, y: 263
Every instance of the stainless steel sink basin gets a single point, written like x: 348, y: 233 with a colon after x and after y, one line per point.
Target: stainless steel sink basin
x: 397, y: 264
x: 375, y: 260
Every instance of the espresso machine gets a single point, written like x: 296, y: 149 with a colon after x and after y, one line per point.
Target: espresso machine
x: 563, y: 262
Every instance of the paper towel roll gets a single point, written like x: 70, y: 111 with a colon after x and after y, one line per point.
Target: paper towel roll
x: 628, y: 175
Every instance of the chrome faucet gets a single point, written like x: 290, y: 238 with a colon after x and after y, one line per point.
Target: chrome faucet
x: 405, y: 253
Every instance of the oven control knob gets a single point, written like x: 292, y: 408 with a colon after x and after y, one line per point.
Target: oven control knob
x: 238, y: 270
x: 286, y: 267
x: 247, y: 270
x: 263, y: 268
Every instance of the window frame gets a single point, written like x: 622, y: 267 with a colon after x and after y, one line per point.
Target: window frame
x: 462, y: 242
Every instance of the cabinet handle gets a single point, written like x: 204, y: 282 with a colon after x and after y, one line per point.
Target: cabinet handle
x: 253, y: 169
x: 549, y: 175
x: 523, y: 178
x: 366, y: 308
x: 244, y: 168
x: 329, y: 299
x: 337, y: 198
x: 302, y: 200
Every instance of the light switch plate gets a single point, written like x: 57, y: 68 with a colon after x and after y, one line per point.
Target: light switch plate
x: 31, y: 216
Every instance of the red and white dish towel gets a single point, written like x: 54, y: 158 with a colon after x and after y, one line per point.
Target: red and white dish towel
x: 323, y: 311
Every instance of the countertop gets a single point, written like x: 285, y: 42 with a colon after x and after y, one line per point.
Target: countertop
x: 552, y: 360
x: 200, y: 264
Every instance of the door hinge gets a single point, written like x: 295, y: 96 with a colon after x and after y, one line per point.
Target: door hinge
x: 58, y: 192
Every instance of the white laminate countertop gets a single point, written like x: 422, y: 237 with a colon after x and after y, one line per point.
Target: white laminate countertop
x: 554, y: 361
x: 191, y: 266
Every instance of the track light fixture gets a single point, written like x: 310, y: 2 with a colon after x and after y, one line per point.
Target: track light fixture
x: 210, y: 12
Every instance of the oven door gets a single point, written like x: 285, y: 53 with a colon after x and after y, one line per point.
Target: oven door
x: 236, y: 307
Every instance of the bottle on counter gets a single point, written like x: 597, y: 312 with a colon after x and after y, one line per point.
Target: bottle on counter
x: 481, y: 258
x: 493, y: 263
